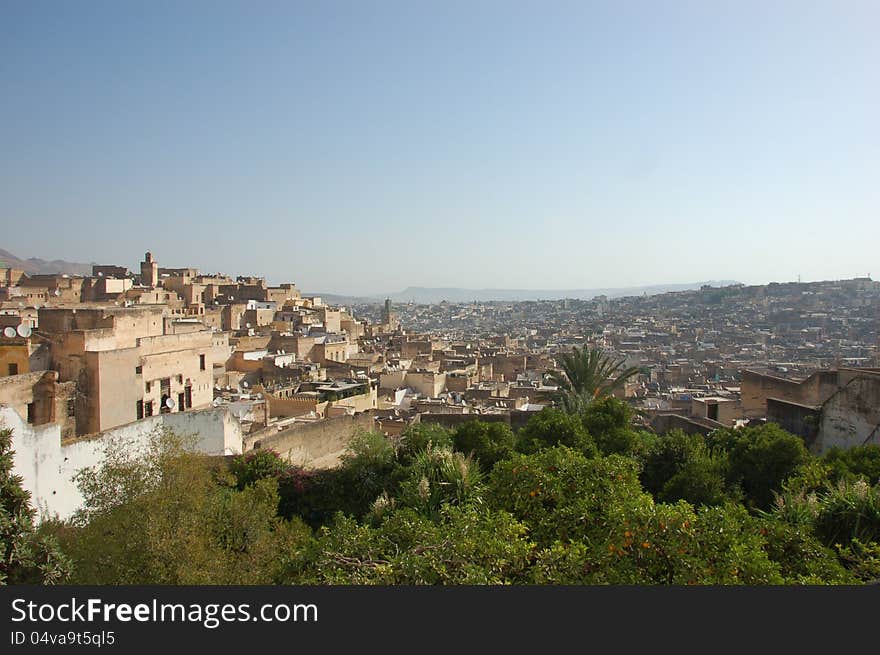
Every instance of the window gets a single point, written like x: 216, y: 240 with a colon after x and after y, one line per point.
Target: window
x: 181, y: 402
x: 148, y: 408
x: 149, y: 386
x: 140, y: 410
x: 13, y: 369
x: 201, y: 362
x: 31, y: 413
x: 71, y: 407
x: 189, y: 397
x: 179, y: 379
x: 138, y: 370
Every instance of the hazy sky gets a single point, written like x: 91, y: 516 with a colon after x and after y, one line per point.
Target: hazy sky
x: 368, y: 146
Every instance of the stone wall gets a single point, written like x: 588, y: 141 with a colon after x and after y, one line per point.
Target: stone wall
x: 756, y: 388
x: 317, y: 444
x: 516, y: 420
x: 852, y: 416
x: 663, y: 423
x: 47, y: 466
x: 800, y: 420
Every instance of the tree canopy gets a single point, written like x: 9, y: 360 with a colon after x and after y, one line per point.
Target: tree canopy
x: 581, y: 498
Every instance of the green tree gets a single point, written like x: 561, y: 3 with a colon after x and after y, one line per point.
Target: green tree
x: 552, y: 427
x: 679, y: 466
x: 588, y: 373
x: 609, y: 422
x: 466, y: 545
x: 801, y: 557
x: 489, y: 443
x: 415, y: 439
x: 850, y: 464
x: 28, y: 556
x: 561, y: 494
x: 664, y: 544
x: 699, y: 481
x: 170, y: 516
x: 257, y: 465
x: 762, y: 459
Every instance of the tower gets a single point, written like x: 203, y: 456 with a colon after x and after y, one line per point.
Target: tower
x: 149, y: 271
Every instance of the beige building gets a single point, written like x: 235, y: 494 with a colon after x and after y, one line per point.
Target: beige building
x: 126, y: 367
x: 720, y: 409
x: 39, y: 399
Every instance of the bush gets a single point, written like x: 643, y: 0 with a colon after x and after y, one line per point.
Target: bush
x: 437, y: 477
x: 850, y: 512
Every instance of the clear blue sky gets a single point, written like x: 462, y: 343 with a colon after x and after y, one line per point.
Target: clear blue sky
x: 367, y: 146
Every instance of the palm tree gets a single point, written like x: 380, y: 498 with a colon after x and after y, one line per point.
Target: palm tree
x: 587, y: 374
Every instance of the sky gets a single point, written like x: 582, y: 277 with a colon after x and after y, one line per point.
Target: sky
x: 366, y: 146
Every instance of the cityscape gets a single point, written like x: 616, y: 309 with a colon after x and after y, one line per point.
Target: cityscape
x: 245, y: 369
x: 298, y: 298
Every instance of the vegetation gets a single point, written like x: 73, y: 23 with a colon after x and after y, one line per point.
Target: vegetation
x: 579, y: 498
x: 587, y: 374
x: 28, y: 557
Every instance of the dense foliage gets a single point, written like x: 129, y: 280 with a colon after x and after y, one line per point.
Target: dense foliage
x: 27, y: 556
x: 572, y: 498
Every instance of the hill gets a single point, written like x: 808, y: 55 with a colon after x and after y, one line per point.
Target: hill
x: 36, y: 266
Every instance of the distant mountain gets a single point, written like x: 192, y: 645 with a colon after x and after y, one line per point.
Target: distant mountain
x: 429, y: 295
x: 434, y: 295
x: 336, y: 299
x: 35, y: 266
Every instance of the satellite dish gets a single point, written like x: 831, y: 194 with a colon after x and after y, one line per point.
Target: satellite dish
x: 9, y: 332
x: 24, y: 330
x: 169, y: 403
x: 57, y: 292
x: 245, y: 385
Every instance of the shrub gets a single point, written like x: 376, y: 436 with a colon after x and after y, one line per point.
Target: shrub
x: 850, y: 512
x: 439, y: 476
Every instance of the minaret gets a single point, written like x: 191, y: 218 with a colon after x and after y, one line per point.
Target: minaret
x: 149, y: 271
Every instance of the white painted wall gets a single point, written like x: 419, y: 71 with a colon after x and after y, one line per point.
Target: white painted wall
x: 47, y: 467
